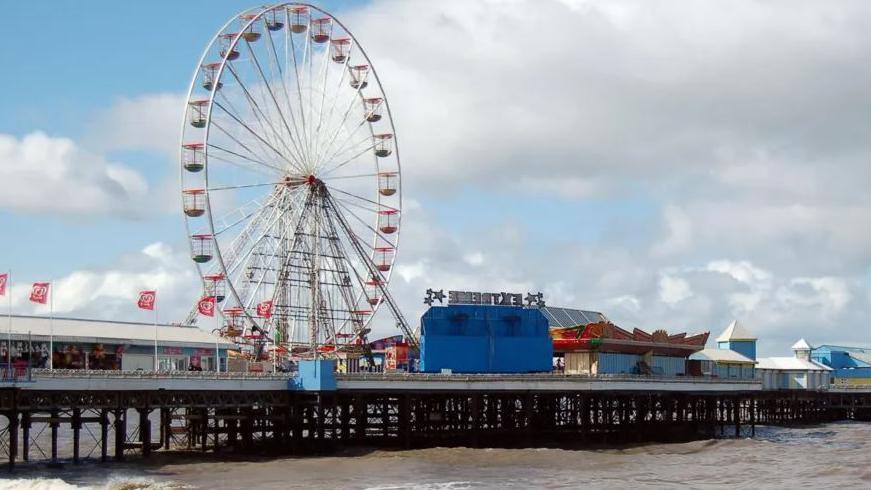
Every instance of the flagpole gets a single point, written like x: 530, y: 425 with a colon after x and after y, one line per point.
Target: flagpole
x: 8, y: 293
x: 51, y: 326
x: 155, y: 335
x: 217, y: 337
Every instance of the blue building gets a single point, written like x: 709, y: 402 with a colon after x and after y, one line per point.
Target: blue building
x: 734, y: 357
x: 737, y: 338
x: 799, y: 372
x: 485, y: 339
x: 851, y: 365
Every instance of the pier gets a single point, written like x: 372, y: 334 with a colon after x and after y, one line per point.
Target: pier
x: 72, y: 416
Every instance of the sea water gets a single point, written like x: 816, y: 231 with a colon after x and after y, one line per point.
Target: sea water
x: 833, y: 456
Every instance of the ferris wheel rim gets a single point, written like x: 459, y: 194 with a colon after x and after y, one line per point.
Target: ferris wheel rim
x: 255, y: 15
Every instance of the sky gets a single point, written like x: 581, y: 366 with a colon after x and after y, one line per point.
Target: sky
x: 673, y: 164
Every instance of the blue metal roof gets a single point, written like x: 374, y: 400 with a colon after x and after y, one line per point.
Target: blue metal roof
x: 830, y: 348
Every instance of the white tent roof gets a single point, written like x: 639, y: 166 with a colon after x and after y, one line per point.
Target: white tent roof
x: 735, y: 331
x: 102, y: 331
x: 720, y: 355
x: 790, y: 364
x: 801, y: 345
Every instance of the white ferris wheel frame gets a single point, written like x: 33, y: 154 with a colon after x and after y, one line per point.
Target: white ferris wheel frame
x: 257, y: 13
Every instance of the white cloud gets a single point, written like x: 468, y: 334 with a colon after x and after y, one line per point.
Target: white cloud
x: 673, y: 290
x: 679, y: 231
x: 742, y: 271
x: 831, y: 294
x: 40, y: 173
x: 145, y: 122
x: 474, y: 259
x: 555, y: 92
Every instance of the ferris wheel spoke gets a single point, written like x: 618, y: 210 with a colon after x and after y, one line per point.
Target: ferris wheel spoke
x: 253, y: 133
x: 332, y: 150
x: 329, y: 116
x: 297, y: 77
x: 259, y: 156
x: 310, y: 79
x: 285, y: 92
x: 244, y: 161
x: 261, y: 117
x: 257, y: 110
x: 351, y: 159
x: 302, y: 72
x: 355, y: 96
x: 238, y: 164
x: 378, y: 233
x: 243, y: 186
x: 357, y: 176
x: 328, y: 146
x: 298, y: 153
x: 360, y: 206
x: 232, y: 110
x: 325, y: 61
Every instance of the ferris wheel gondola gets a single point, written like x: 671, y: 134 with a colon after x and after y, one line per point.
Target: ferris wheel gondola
x: 291, y: 181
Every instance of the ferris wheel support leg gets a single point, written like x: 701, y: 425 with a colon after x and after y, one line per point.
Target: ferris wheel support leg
x: 401, y: 322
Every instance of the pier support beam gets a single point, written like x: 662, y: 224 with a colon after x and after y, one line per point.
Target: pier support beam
x: 25, y: 436
x: 145, y: 432
x: 104, y: 435
x: 54, y: 423
x: 13, y: 438
x: 120, y: 433
x: 77, y: 434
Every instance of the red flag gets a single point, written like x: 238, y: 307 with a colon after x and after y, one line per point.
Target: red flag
x: 39, y: 293
x: 4, y: 278
x: 206, y: 306
x: 147, y: 299
x: 264, y: 309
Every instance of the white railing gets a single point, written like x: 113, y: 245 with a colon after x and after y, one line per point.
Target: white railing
x: 535, y: 377
x: 138, y: 374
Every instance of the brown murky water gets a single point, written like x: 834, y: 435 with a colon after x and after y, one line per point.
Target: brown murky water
x: 833, y: 455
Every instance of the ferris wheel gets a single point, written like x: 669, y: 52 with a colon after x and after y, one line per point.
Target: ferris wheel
x: 291, y: 181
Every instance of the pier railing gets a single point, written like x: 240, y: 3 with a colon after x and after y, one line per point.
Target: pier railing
x: 534, y: 377
x: 139, y: 374
x: 35, y: 374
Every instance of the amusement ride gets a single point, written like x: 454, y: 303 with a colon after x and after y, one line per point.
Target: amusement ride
x: 291, y: 183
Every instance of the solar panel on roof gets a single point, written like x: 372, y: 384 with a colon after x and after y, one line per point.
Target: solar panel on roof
x: 577, y: 317
x: 551, y: 321
x: 569, y: 317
